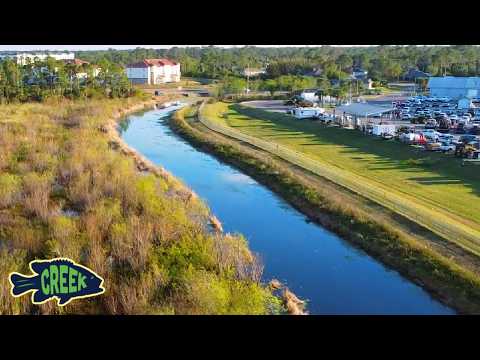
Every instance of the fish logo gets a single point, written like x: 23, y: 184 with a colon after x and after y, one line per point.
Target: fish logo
x: 58, y: 278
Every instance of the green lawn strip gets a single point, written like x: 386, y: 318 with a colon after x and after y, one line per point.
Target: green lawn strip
x: 443, y: 277
x: 395, y: 163
x: 434, y: 178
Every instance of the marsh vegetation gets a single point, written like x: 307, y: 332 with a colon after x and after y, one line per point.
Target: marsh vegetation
x: 65, y: 192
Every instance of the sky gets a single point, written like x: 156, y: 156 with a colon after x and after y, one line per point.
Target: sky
x: 124, y: 47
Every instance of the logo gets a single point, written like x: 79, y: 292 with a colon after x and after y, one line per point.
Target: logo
x: 59, y: 278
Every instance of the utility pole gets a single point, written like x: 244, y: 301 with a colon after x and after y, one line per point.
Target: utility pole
x: 350, y: 93
x: 248, y: 77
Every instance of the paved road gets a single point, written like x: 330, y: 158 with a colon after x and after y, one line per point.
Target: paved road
x: 387, y: 99
x: 270, y: 105
x: 384, y: 100
x: 277, y: 105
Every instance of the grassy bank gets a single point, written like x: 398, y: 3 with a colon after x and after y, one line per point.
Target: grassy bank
x: 431, y: 184
x: 65, y: 191
x: 443, y: 277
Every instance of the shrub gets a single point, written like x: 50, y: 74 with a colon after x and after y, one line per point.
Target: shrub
x: 36, y: 193
x: 64, y: 241
x: 24, y: 234
x: 99, y: 218
x: 11, y: 260
x: 144, y: 234
x: 131, y: 241
x: 10, y: 190
x: 204, y: 293
x: 43, y: 162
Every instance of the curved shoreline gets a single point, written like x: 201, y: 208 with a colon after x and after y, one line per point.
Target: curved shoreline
x: 293, y: 304
x: 447, y: 282
x: 141, y: 162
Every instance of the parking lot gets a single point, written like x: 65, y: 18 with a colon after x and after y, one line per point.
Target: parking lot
x: 438, y: 113
x: 432, y: 124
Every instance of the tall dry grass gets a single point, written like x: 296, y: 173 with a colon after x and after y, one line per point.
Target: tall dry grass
x: 66, y: 192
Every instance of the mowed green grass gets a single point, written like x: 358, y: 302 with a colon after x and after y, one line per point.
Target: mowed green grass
x: 434, y: 179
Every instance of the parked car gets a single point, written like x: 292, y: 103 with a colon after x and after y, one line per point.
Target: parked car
x: 418, y: 120
x: 467, y: 138
x: 431, y: 134
x: 460, y: 129
x: 447, y: 147
x: 431, y: 124
x: 454, y: 117
x: 475, y: 130
x: 444, y: 125
x: 446, y: 138
x: 433, y: 146
x: 304, y: 104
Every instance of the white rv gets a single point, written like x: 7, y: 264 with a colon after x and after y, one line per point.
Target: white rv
x: 309, y: 95
x: 307, y: 113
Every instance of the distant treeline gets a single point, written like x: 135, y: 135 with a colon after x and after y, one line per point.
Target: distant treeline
x: 384, y: 63
x: 52, y: 78
x: 232, y: 85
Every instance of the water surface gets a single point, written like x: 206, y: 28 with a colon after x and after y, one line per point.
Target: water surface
x: 316, y: 264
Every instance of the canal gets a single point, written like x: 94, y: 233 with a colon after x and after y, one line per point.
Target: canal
x: 317, y: 265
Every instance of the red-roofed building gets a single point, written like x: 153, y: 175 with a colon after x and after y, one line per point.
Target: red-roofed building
x: 79, y: 63
x: 75, y: 62
x: 153, y: 71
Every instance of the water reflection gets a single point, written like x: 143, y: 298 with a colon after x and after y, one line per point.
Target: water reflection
x: 316, y: 264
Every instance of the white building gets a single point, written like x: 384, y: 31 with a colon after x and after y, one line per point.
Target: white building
x: 454, y: 87
x: 369, y: 84
x: 253, y: 72
x: 23, y: 58
x: 153, y: 71
x: 359, y: 74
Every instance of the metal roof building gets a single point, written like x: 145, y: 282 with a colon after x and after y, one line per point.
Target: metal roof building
x: 454, y: 87
x: 363, y: 110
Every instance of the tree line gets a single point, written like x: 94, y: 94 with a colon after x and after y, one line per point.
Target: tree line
x: 384, y: 63
x: 291, y: 84
x: 40, y: 80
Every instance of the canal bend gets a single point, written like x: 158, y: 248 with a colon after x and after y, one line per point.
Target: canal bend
x: 317, y: 265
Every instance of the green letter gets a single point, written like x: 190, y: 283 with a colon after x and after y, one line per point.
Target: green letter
x: 53, y: 279
x: 63, y: 279
x: 81, y: 282
x: 45, y: 287
x: 71, y: 280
